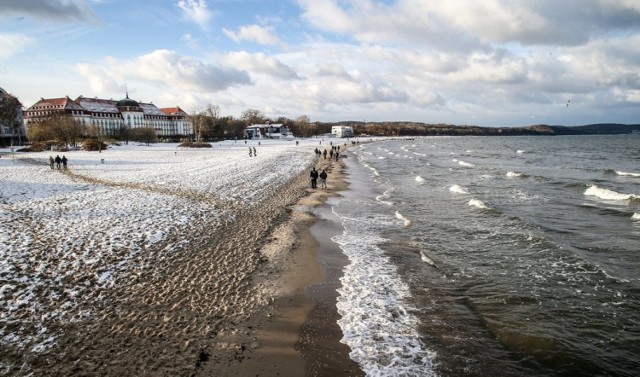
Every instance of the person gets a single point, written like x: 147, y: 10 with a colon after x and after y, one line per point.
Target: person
x: 314, y: 177
x: 323, y: 179
x: 64, y: 162
x: 337, y: 155
x: 51, y: 161
x: 255, y: 153
x: 250, y: 152
x: 58, y: 161
x: 325, y: 154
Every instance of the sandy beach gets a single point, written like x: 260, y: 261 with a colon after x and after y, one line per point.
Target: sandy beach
x: 224, y: 274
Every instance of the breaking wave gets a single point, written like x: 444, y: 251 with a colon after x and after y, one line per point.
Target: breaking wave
x: 607, y: 194
x: 458, y: 189
x: 478, y: 204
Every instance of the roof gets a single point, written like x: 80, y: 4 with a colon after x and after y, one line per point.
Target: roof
x: 127, y: 102
x: 98, y: 105
x: 63, y: 103
x: 173, y: 111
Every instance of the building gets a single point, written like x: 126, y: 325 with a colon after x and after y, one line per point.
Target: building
x: 111, y: 117
x: 12, y: 131
x: 266, y: 131
x: 342, y: 131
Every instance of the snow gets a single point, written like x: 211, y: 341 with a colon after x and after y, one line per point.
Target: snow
x: 66, y: 237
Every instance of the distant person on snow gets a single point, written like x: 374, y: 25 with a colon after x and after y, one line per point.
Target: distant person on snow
x: 58, y: 161
x: 250, y: 152
x: 51, y: 161
x: 64, y: 162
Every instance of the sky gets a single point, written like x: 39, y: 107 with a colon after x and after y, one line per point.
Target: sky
x: 465, y: 62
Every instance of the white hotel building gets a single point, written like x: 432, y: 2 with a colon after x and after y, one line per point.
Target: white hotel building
x: 110, y: 116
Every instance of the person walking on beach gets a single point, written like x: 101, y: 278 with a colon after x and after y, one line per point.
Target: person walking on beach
x: 314, y: 178
x: 64, y: 162
x: 323, y: 179
x: 58, y: 161
x: 51, y: 161
x: 325, y: 154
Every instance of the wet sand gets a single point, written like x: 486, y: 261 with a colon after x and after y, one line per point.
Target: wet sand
x: 297, y: 334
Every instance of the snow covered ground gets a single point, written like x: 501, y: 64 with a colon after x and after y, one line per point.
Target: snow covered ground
x: 66, y: 237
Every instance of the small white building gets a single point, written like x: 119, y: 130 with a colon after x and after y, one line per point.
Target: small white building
x: 266, y: 131
x: 342, y: 131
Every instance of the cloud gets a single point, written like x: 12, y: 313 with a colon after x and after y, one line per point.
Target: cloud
x: 53, y: 10
x: 12, y: 44
x: 462, y: 24
x: 261, y: 63
x: 254, y: 33
x: 196, y: 11
x: 166, y: 69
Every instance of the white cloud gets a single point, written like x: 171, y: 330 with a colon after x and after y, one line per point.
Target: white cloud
x: 164, y: 69
x: 11, y: 44
x: 54, y: 10
x: 254, y: 33
x: 196, y: 11
x: 260, y: 63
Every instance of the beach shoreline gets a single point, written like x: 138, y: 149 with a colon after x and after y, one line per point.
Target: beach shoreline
x: 297, y: 334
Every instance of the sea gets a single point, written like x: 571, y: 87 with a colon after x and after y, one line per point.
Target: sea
x: 492, y: 256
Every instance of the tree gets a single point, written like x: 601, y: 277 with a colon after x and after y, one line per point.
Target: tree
x: 9, y: 108
x: 61, y: 128
x: 253, y: 116
x: 146, y: 135
x: 197, y: 118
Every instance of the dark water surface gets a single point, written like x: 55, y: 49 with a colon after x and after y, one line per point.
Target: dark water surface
x: 485, y: 256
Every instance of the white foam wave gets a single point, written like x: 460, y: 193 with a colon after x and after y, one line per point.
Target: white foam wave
x: 427, y: 260
x: 636, y: 217
x: 478, y: 203
x: 512, y: 174
x: 406, y: 221
x: 607, y: 194
x: 419, y: 179
x: 519, y: 151
x: 465, y: 164
x: 376, y: 320
x: 625, y: 174
x: 458, y: 189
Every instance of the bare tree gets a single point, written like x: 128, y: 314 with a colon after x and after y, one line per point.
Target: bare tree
x: 146, y: 135
x: 61, y: 128
x: 253, y: 116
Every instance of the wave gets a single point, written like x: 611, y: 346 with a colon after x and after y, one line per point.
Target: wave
x: 465, y: 164
x: 636, y: 217
x: 478, y: 203
x: 625, y: 174
x: 519, y: 151
x: 512, y: 174
x: 385, y: 195
x: 458, y: 189
x: 399, y: 216
x: 427, y: 260
x: 419, y: 179
x: 607, y: 194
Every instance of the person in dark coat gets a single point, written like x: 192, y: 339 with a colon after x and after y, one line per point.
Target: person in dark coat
x: 58, y: 161
x: 64, y: 162
x: 314, y: 178
x: 323, y: 179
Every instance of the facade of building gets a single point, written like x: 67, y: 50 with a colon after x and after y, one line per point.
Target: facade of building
x: 111, y: 117
x: 266, y: 131
x: 342, y: 131
x: 12, y: 131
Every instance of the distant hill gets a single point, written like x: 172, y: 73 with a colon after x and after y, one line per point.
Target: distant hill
x: 597, y: 129
x: 425, y: 129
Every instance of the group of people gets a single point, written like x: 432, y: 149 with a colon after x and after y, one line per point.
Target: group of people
x: 334, y: 152
x: 314, y: 178
x: 57, y: 161
x: 253, y: 152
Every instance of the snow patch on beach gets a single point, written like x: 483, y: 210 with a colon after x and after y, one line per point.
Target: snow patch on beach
x: 65, y: 236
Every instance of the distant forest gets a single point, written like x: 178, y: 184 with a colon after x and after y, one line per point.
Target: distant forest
x: 424, y: 129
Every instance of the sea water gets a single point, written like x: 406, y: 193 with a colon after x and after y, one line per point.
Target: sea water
x: 486, y: 256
